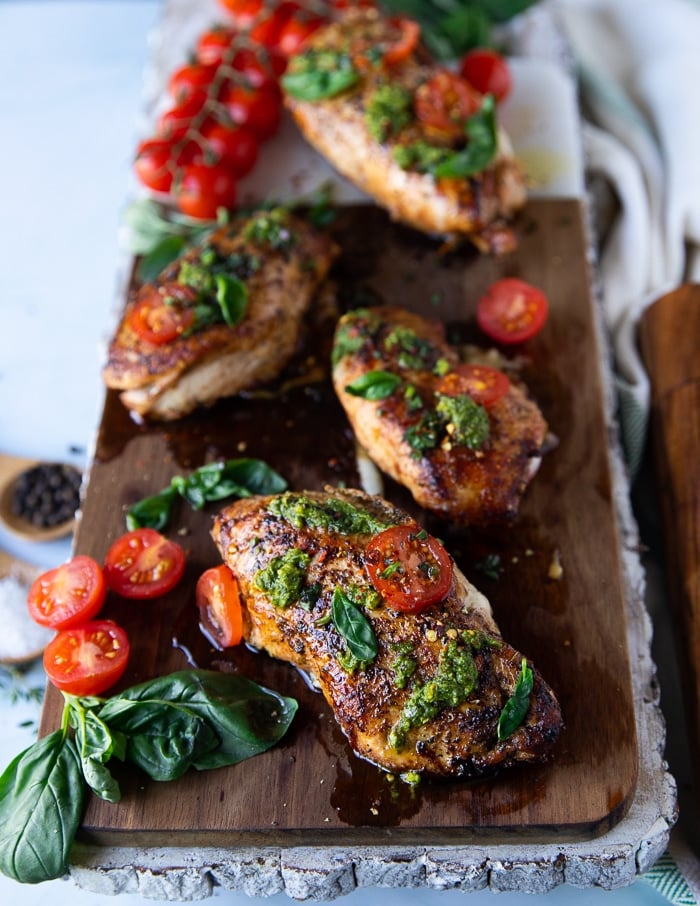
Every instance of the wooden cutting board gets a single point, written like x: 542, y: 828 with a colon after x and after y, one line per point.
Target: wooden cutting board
x: 311, y: 786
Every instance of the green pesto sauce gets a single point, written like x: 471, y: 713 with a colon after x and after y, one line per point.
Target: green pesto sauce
x: 471, y: 423
x: 388, y: 111
x: 413, y: 351
x: 334, y: 515
x: 270, y: 228
x: 283, y: 578
x: 421, y: 156
x: 352, y: 332
x: 454, y: 681
x: 404, y: 665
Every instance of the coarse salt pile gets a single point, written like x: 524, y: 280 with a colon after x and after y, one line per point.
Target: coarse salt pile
x: 21, y: 638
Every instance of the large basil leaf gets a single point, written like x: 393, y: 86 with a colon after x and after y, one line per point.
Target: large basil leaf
x: 41, y: 802
x: 96, y: 743
x: 163, y: 739
x: 247, y: 718
x: 354, y: 627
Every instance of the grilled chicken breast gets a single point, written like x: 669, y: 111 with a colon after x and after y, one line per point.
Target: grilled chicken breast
x: 389, y: 125
x: 224, y: 317
x: 439, y: 691
x: 400, y: 385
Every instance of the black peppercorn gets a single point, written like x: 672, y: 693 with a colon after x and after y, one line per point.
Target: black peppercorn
x: 47, y: 494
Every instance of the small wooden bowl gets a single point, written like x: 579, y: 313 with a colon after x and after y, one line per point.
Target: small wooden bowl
x: 11, y: 467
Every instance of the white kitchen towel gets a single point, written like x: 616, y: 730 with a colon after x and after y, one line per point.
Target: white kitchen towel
x: 638, y: 69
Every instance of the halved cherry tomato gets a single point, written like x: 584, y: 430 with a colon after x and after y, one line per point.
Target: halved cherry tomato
x: 220, y: 613
x: 67, y: 595
x: 488, y: 72
x: 483, y: 384
x: 512, y: 311
x: 190, y: 79
x: 237, y: 147
x: 202, y: 190
x: 257, y: 108
x: 213, y: 45
x: 408, y: 567
x: 143, y: 564
x: 405, y: 42
x: 87, y: 659
x: 445, y: 102
x: 158, y: 319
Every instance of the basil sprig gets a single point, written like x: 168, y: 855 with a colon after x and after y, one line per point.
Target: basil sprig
x: 374, y: 385
x: 192, y: 718
x: 515, y: 708
x: 482, y: 142
x: 353, y: 626
x: 209, y: 483
x: 319, y: 74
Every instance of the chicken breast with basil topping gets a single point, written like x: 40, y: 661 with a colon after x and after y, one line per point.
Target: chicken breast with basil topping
x: 413, y: 135
x: 225, y: 316
x: 464, y: 438
x: 350, y: 589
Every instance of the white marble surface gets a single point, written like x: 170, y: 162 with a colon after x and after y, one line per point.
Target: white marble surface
x: 71, y: 98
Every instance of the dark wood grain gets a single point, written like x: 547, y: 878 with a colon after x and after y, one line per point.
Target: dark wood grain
x: 670, y: 336
x: 574, y: 628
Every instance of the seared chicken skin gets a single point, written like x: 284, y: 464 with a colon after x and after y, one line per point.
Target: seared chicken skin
x: 340, y: 585
x: 430, y: 423
x: 224, y: 317
x: 412, y: 135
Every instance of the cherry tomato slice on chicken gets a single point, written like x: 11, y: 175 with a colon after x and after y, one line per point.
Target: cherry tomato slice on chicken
x: 512, y: 311
x: 488, y: 72
x: 445, y: 102
x: 220, y: 613
x: 406, y: 41
x: 483, y: 384
x: 408, y: 567
x: 87, y: 659
x: 158, y: 318
x: 143, y: 564
x: 67, y: 595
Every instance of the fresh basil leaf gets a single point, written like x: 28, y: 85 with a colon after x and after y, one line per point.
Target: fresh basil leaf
x: 515, y: 708
x: 354, y: 627
x: 152, y: 512
x: 482, y: 142
x: 319, y: 84
x: 163, y: 738
x: 247, y: 718
x: 41, y: 802
x: 374, y: 385
x: 232, y: 296
x: 96, y: 743
x: 155, y: 261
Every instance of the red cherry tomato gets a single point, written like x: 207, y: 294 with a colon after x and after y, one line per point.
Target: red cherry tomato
x: 259, y: 109
x: 405, y: 42
x: 237, y: 147
x: 214, y: 44
x: 243, y: 12
x: 408, y: 567
x: 153, y: 164
x: 67, y: 595
x: 87, y: 659
x: 296, y: 31
x: 512, y: 311
x: 156, y: 319
x: 174, y: 123
x: 143, y: 564
x: 202, y: 190
x: 267, y: 31
x: 259, y: 68
x: 190, y: 79
x: 445, y: 102
x: 483, y: 384
x: 219, y: 603
x: 488, y: 72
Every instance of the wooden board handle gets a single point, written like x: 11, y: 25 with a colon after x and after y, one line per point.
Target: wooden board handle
x: 670, y: 338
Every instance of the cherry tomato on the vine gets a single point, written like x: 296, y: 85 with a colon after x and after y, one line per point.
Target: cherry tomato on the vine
x: 87, y: 659
x: 201, y: 190
x: 483, y: 384
x: 213, y: 44
x: 190, y: 79
x: 408, y: 567
x: 296, y: 31
x: 259, y: 67
x: 153, y: 164
x: 220, y: 612
x: 243, y: 12
x: 512, y: 311
x: 267, y: 30
x: 236, y: 146
x: 445, y: 102
x: 259, y: 109
x: 67, y: 595
x: 488, y: 72
x: 156, y: 319
x: 143, y: 564
x: 174, y: 123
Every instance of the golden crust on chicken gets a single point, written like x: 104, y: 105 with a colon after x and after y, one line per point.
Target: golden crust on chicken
x: 411, y: 134
x: 225, y: 316
x: 350, y: 589
x: 464, y: 439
